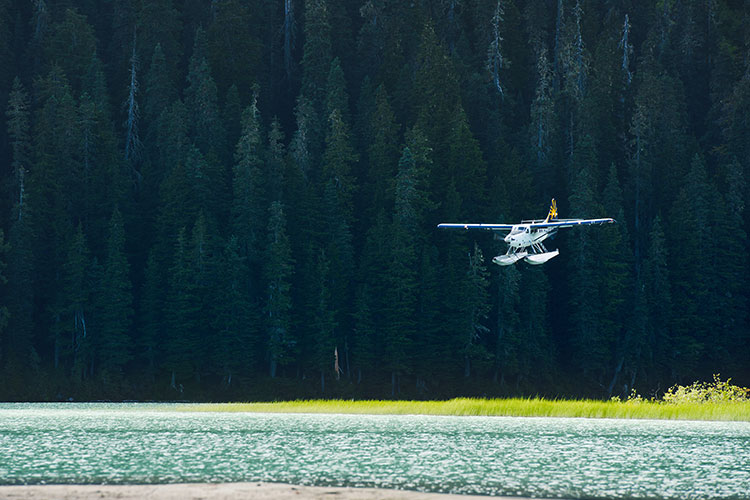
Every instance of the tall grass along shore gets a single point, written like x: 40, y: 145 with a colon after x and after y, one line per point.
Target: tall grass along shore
x: 517, y: 407
x: 717, y: 400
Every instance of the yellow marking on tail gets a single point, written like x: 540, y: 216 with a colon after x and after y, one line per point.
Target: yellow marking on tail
x: 552, y: 211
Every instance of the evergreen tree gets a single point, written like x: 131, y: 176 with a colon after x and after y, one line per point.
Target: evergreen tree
x: 115, y: 309
x: 536, y: 353
x: 476, y: 302
x: 76, y: 293
x: 401, y: 321
x: 382, y: 153
x: 277, y: 272
x: 276, y: 162
x: 70, y: 45
x: 248, y: 201
x: 616, y: 289
x: 201, y: 100
x: 159, y: 24
x: 18, y: 118
x: 3, y: 308
x: 693, y: 277
x: 365, y: 331
x: 183, y: 311
x: 236, y: 321
x: 234, y: 51
x: 323, y: 321
x: 543, y: 121
x: 316, y: 53
x: 158, y: 95
x: 591, y: 350
x: 150, y: 320
x: 509, y: 334
x: 337, y: 97
x: 660, y: 358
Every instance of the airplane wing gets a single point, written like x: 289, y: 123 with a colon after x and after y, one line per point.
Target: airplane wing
x: 487, y: 227
x: 560, y: 223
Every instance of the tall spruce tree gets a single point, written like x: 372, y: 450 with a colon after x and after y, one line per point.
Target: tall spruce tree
x: 115, y: 308
x: 235, y: 344
x: 277, y: 271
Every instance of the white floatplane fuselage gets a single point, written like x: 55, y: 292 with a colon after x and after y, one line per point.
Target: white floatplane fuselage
x: 525, y: 240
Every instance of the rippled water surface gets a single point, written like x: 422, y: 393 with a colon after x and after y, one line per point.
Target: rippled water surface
x: 541, y: 457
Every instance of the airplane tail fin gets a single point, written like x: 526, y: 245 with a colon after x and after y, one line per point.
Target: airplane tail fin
x: 552, y: 211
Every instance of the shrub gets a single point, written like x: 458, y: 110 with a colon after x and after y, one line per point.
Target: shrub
x: 718, y: 391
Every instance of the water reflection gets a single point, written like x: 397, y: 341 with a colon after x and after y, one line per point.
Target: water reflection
x: 579, y: 458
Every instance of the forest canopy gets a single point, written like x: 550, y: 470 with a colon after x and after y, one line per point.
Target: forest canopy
x: 237, y: 199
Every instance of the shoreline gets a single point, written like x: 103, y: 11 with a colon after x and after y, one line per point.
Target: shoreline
x: 218, y: 491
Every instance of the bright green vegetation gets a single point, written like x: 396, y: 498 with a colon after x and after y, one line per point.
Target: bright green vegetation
x: 718, y: 400
x: 533, y: 407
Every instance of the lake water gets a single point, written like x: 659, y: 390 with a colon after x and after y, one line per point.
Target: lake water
x: 541, y: 457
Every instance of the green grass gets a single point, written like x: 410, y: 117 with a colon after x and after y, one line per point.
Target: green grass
x: 532, y: 407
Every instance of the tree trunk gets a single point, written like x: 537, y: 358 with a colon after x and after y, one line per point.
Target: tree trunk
x: 616, y: 375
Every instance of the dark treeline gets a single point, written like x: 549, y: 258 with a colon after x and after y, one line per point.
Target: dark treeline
x: 237, y: 199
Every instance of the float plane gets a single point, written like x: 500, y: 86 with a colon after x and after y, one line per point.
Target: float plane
x: 525, y: 239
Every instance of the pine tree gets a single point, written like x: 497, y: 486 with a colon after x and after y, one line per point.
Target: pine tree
x: 316, y: 53
x: 53, y: 185
x: 276, y: 162
x: 337, y: 97
x: 160, y: 25
x: 323, y: 320
x: 232, y: 115
x: 535, y: 350
x: 18, y: 131
x: 660, y: 363
x: 337, y: 207
x: 183, y: 311
x: 591, y: 349
x: 476, y: 302
x: 248, y: 200
x: 133, y: 143
x: 277, y: 271
x: 617, y: 284
x: 201, y: 100
x: 234, y: 50
x: 3, y: 308
x: 495, y: 58
x: 115, y: 310
x: 16, y: 344
x: 372, y: 299
x: 158, y: 95
x: 150, y: 319
x: 16, y: 341
x: 543, y: 121
x: 382, y: 153
x: 363, y: 338
x: 509, y: 334
x: 236, y: 320
x: 401, y: 321
x: 692, y: 276
x: 76, y: 293
x: 70, y: 45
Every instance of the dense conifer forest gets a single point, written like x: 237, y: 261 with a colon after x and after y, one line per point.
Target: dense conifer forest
x: 237, y: 199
